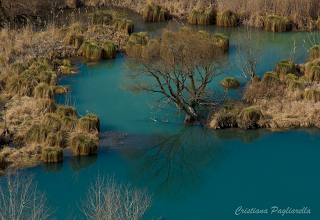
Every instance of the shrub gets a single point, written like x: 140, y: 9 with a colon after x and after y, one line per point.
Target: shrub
x: 69, y: 123
x: 315, y: 52
x: 52, y: 154
x: 153, y: 12
x: 82, y: 144
x: 278, y: 24
x: 312, y: 95
x: 221, y: 40
x: 91, y: 50
x: 89, y: 123
x: 109, y: 50
x: 256, y: 79
x: 52, y: 120
x: 48, y: 105
x: 285, y: 67
x: 297, y: 85
x: 44, y: 91
x: 270, y: 79
x: 37, y: 133
x: 227, y: 18
x: 230, y: 83
x: 66, y: 111
x: 61, y: 90
x: 202, y: 16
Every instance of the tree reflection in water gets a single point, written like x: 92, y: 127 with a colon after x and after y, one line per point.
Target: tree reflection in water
x: 245, y: 136
x: 174, y: 163
x: 78, y: 163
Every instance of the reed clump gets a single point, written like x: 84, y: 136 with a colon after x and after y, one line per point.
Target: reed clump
x: 153, y: 12
x: 221, y: 40
x: 37, y: 133
x: 285, y: 67
x: 91, y: 50
x: 83, y: 144
x: 289, y: 78
x: 52, y: 154
x: 276, y: 23
x: 73, y: 39
x: 63, y: 111
x: 151, y: 51
x: 312, y: 71
x: 56, y: 139
x: 90, y: 122
x: 202, y: 16
x: 44, y: 91
x: 315, y: 52
x: 227, y: 18
x: 51, y: 120
x: 296, y: 84
x: 230, y: 83
x: 61, y: 90
x: 312, y: 95
x: 256, y: 79
x: 124, y: 24
x: 100, y: 18
x: 109, y: 50
x: 46, y: 105
x: 69, y: 123
x: 136, y: 42
x: 19, y: 67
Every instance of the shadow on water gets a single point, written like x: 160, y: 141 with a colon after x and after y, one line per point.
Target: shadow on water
x: 78, y: 163
x: 245, y: 136
x: 173, y: 163
x: 52, y: 167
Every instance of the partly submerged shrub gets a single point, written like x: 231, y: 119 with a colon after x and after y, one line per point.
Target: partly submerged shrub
x: 315, y: 52
x: 270, y: 79
x: 52, y: 154
x: 202, y: 16
x: 313, y: 71
x: 297, y: 85
x: 285, y: 67
x: 221, y: 40
x: 46, y: 105
x: 227, y: 18
x: 82, y: 144
x: 63, y: 110
x: 109, y: 50
x: 312, y: 95
x: 153, y: 12
x: 230, y: 83
x: 61, y: 90
x: 91, y: 50
x: 44, y: 91
x: 277, y: 24
x: 89, y: 123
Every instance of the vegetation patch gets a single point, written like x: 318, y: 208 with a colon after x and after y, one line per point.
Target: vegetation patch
x: 37, y: 133
x: 83, y: 144
x: 69, y: 123
x: 52, y: 154
x: 230, y: 83
x: 221, y: 40
x: 312, y: 95
x: 109, y: 50
x: 153, y: 12
x: 276, y: 23
x: 46, y: 105
x: 295, y: 84
x: 89, y: 123
x: 63, y: 110
x: 61, y: 90
x: 202, y: 16
x: 91, y: 50
x: 285, y: 67
x: 227, y: 18
x: 256, y: 79
x: 315, y: 52
x: 51, y: 120
x: 44, y: 91
x: 2, y: 162
x: 290, y: 78
x: 312, y: 71
x: 270, y: 79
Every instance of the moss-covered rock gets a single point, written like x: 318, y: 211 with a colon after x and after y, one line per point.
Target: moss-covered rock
x: 230, y: 83
x: 221, y: 40
x: 276, y: 23
x: 227, y: 18
x: 52, y: 154
x: 202, y: 16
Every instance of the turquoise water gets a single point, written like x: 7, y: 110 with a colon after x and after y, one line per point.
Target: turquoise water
x: 194, y: 173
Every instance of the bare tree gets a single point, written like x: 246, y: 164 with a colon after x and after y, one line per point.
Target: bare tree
x: 20, y: 198
x: 250, y: 45
x: 107, y: 199
x: 179, y: 68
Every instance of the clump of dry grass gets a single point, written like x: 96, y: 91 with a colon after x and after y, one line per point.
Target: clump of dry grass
x: 83, y: 144
x: 44, y: 91
x: 109, y: 50
x: 51, y: 120
x: 66, y: 111
x: 61, y: 90
x: 202, y: 16
x: 46, y: 105
x: 153, y: 12
x: 91, y: 50
x: 227, y: 18
x: 230, y: 83
x: 312, y: 71
x: 52, y: 154
x: 285, y: 67
x: 312, y: 95
x: 221, y: 40
x: 89, y: 123
x: 69, y: 123
x: 276, y: 23
x: 270, y: 79
x: 296, y: 84
x: 315, y: 52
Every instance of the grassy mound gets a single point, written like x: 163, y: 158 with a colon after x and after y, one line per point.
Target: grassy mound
x: 202, y: 16
x: 46, y: 105
x: 100, y: 18
x: 221, y: 40
x: 227, y: 19
x: 230, y: 83
x: 312, y: 95
x: 249, y: 117
x: 51, y: 154
x: 224, y: 120
x: 52, y: 120
x: 44, y: 91
x: 37, y: 133
x: 204, y: 35
x: 285, y: 67
x: 91, y: 50
x: 55, y: 139
x: 313, y: 71
x: 256, y: 79
x: 73, y: 39
x: 66, y: 70
x: 152, y: 50
x: 89, y: 123
x: 135, y: 43
x: 49, y: 77
x: 290, y: 78
x: 63, y: 110
x: 297, y: 85
x: 2, y: 162
x: 153, y: 12
x: 315, y: 52
x: 124, y: 24
x: 19, y: 67
x: 69, y: 123
x: 109, y: 50
x: 270, y: 79
x: 82, y: 144
x: 23, y: 84
x: 60, y: 90
x: 276, y: 23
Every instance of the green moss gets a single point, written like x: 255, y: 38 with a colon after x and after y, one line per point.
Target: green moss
x: 277, y: 24
x: 221, y: 40
x: 63, y: 110
x: 312, y: 95
x: 202, y: 16
x: 61, y: 90
x: 230, y: 83
x: 82, y: 144
x: 153, y: 12
x: 89, y: 123
x: 227, y: 19
x: 315, y: 52
x: 51, y: 154
x: 285, y: 67
x: 109, y: 50
x: 313, y: 71
x: 270, y: 79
